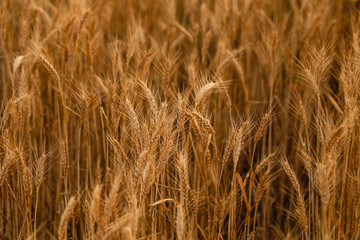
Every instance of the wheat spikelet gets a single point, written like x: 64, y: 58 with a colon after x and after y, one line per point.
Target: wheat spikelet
x: 260, y: 188
x: 145, y: 62
x: 166, y: 150
x: 290, y: 173
x: 28, y: 181
x: 148, y: 176
x: 89, y: 53
x: 81, y: 26
x: 8, y: 162
x: 240, y: 71
x: 133, y: 42
x: 335, y: 137
x: 264, y: 163
x: 40, y: 171
x: 205, y: 123
x: 262, y: 128
x: 143, y: 159
x: 89, y: 220
x: 17, y: 62
x: 224, y: 92
x: 96, y: 208
x: 122, y: 224
x: 196, y: 128
x: 63, y: 154
x: 355, y: 187
x: 183, y: 174
x: 180, y: 222
x: 181, y: 115
x: 110, y: 202
x: 326, y: 180
x: 68, y: 212
x: 306, y: 159
x: 204, y: 92
x: 132, y: 115
x: 239, y: 142
x: 300, y: 209
x: 49, y: 67
x: 149, y: 97
x: 205, y: 46
x: 229, y: 145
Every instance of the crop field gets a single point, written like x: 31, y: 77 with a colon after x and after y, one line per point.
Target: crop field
x: 179, y: 119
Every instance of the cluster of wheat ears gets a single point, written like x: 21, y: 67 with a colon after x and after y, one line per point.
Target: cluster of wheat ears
x: 179, y: 119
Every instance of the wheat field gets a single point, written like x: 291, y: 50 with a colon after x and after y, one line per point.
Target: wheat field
x: 179, y: 119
